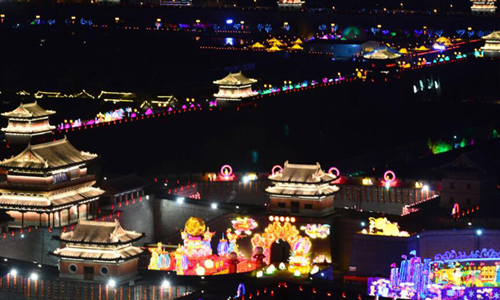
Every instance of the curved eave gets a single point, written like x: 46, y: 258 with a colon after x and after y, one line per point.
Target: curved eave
x: 300, y: 196
x: 49, y: 168
x: 58, y: 238
x: 97, y: 259
x: 47, y: 208
x: 302, y: 182
x: 11, y: 115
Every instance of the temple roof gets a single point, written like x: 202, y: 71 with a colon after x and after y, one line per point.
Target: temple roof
x: 495, y: 35
x: 297, y: 173
x: 92, y: 232
x: 471, y: 163
x: 382, y: 54
x: 235, y: 79
x: 43, y: 200
x: 50, y: 155
x: 30, y: 110
x: 104, y: 254
x: 304, y: 191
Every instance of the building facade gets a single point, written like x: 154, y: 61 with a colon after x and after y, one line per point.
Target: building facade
x: 27, y: 122
x: 301, y: 189
x: 48, y: 185
x: 491, y: 46
x: 235, y: 87
x: 98, y: 251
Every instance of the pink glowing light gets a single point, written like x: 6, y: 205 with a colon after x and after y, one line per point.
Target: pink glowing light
x: 389, y: 176
x: 226, y: 172
x: 334, y: 171
x: 277, y: 169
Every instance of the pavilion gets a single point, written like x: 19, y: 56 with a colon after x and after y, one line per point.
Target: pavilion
x: 491, y: 47
x: 301, y: 189
x: 48, y: 185
x: 98, y: 251
x: 235, y: 87
x: 26, y: 122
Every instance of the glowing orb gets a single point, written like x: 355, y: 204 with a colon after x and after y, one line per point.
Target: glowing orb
x: 209, y: 264
x: 334, y: 171
x: 282, y: 266
x: 226, y: 171
x: 194, y: 226
x: 389, y: 176
x: 296, y: 273
x: 276, y: 170
x: 200, y: 271
x: 260, y: 274
x: 271, y: 269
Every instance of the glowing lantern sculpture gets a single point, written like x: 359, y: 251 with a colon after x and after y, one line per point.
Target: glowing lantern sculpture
x: 245, y: 225
x: 317, y: 231
x: 382, y: 226
x: 223, y: 247
x: 286, y: 231
x: 226, y: 172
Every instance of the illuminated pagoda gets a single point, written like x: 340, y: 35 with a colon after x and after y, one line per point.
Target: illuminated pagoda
x: 483, y: 6
x: 98, y: 251
x: 299, y: 187
x: 491, y: 47
x: 291, y: 4
x: 235, y: 87
x: 48, y: 185
x: 27, y: 121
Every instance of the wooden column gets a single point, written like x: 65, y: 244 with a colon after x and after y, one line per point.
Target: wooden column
x: 78, y: 212
x: 22, y: 220
x: 59, y: 214
x: 69, y: 215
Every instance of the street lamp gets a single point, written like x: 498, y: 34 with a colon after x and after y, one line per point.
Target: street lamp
x: 112, y: 283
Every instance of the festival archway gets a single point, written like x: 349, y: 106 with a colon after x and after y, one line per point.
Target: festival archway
x: 280, y: 230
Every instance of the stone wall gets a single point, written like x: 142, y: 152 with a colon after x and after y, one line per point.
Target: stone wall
x: 35, y: 246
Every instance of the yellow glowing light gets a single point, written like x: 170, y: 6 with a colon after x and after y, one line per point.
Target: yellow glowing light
x: 379, y: 26
x: 382, y: 226
x: 198, y: 21
x: 280, y: 231
x: 271, y: 218
x: 2, y: 16
x: 158, y: 20
x: 259, y: 274
x: 367, y: 181
x: 418, y: 185
x: 73, y: 18
x: 117, y: 19
x: 200, y: 271
x: 282, y: 266
x: 314, y: 270
x: 282, y: 219
x: 292, y: 219
x: 195, y: 226
x: 209, y: 264
x: 296, y: 273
